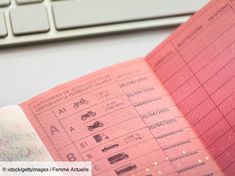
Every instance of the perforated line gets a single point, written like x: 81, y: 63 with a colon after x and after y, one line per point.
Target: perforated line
x: 183, y: 156
x: 170, y: 133
x: 191, y: 167
x: 176, y: 145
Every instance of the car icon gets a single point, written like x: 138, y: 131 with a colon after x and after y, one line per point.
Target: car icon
x: 107, y: 148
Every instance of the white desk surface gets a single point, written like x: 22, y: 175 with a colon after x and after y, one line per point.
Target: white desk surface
x: 28, y: 71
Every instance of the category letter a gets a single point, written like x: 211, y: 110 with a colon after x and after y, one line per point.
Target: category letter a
x: 54, y: 129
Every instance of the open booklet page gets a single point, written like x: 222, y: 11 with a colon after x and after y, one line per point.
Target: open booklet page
x: 122, y: 119
x: 196, y: 65
x: 19, y: 140
x: 168, y: 114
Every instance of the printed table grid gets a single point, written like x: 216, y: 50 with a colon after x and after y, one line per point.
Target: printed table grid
x: 177, y: 83
x: 202, y: 88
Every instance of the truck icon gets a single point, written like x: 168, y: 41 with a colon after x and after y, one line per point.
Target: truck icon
x: 124, y: 169
x: 118, y: 157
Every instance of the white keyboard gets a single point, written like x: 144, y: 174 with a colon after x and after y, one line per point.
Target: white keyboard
x: 28, y: 21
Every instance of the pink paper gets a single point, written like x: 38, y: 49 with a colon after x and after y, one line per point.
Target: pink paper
x: 197, y: 67
x: 171, y: 113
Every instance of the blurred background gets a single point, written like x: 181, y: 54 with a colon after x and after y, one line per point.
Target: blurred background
x: 103, y: 33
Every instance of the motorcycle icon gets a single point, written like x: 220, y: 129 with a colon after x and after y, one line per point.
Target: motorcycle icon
x: 87, y: 115
x: 81, y: 102
x: 97, y: 124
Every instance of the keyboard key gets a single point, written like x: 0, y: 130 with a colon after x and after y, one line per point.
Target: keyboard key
x: 3, y: 29
x: 75, y: 14
x: 29, y: 19
x: 27, y: 1
x: 4, y: 3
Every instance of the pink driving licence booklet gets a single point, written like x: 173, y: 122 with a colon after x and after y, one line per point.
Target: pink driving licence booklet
x: 170, y: 113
